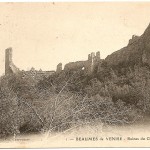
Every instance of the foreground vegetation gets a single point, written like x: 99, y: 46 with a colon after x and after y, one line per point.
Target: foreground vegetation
x: 70, y: 99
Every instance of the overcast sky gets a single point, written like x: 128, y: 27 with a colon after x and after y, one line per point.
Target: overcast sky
x: 45, y: 34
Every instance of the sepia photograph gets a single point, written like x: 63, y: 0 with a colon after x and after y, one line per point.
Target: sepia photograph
x: 74, y: 74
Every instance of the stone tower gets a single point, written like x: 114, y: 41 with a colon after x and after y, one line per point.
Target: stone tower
x: 59, y: 68
x: 8, y: 61
x: 92, y: 62
x: 98, y: 56
x: 9, y: 66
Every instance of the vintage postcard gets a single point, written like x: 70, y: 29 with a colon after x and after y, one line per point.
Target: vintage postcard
x: 74, y: 74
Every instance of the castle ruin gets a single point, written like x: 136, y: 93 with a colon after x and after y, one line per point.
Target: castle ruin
x: 89, y: 65
x: 10, y: 68
x: 134, y: 39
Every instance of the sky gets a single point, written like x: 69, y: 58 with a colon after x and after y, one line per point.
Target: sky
x: 45, y: 34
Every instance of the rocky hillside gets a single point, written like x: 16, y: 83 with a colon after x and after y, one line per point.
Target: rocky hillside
x: 136, y: 52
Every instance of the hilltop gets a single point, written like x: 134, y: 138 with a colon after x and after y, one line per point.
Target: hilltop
x: 137, y: 52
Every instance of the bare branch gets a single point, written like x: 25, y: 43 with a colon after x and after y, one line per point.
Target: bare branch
x: 38, y: 116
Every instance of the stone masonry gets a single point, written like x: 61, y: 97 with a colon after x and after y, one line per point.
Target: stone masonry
x: 59, y: 68
x: 89, y: 65
x: 9, y: 66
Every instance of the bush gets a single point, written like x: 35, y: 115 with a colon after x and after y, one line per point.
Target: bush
x: 72, y: 98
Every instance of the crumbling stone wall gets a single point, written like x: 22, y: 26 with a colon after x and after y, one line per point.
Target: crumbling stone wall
x: 135, y: 38
x: 10, y: 68
x: 88, y: 65
x: 75, y: 65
